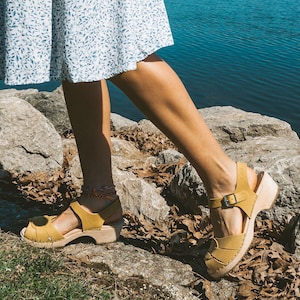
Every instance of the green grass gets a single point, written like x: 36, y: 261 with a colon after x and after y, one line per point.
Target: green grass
x: 30, y: 273
x: 41, y: 274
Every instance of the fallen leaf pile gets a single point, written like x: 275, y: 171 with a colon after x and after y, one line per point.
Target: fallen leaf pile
x: 42, y: 186
x: 161, y: 175
x: 151, y: 143
x: 267, y: 271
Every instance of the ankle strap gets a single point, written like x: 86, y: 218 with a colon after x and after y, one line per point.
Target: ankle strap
x: 103, y: 192
x: 243, y: 197
x: 94, y: 220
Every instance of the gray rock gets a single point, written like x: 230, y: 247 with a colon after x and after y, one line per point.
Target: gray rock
x: 169, y: 156
x: 187, y: 188
x: 230, y: 124
x: 136, y: 195
x: 148, y: 127
x: 126, y: 155
x: 52, y: 105
x: 7, y: 93
x: 139, y: 197
x: 223, y: 289
x: 127, y: 261
x: 118, y: 122
x: 28, y: 141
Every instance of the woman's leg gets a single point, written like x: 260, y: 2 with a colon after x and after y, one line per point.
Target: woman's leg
x: 160, y: 94
x: 89, y: 111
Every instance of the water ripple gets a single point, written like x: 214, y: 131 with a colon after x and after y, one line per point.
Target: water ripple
x: 239, y: 53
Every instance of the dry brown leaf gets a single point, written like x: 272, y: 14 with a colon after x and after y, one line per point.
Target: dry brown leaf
x: 246, y: 290
x: 207, y: 289
x: 189, y: 224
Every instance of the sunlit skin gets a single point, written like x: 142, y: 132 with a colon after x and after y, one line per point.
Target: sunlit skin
x: 158, y: 92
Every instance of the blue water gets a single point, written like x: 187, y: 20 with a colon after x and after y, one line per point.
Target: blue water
x: 240, y: 53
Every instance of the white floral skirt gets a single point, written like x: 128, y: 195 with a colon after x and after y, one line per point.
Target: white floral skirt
x: 78, y: 41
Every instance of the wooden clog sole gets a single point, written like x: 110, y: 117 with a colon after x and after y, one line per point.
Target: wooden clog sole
x: 107, y: 234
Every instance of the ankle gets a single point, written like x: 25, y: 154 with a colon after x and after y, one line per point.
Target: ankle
x: 225, y: 183
x: 105, y: 192
x: 97, y: 198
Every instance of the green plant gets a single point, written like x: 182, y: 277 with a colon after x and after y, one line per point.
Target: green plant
x: 31, y: 273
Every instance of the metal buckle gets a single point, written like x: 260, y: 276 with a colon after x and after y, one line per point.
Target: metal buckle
x: 225, y: 202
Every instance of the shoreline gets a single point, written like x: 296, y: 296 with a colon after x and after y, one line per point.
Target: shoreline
x: 132, y: 112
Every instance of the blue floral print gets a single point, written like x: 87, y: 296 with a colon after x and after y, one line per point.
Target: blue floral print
x: 78, y: 41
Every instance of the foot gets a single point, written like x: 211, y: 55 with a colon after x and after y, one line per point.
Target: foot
x: 230, y: 221
x: 234, y: 228
x: 67, y: 221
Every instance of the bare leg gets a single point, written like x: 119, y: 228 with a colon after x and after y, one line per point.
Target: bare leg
x: 159, y: 93
x: 89, y: 111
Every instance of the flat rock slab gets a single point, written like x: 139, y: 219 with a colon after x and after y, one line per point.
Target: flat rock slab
x: 129, y: 261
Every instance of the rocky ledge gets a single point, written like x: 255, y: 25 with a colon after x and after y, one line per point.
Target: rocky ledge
x: 162, y: 240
